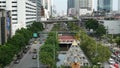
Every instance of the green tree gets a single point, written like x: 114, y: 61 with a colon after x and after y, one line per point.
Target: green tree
x: 118, y: 41
x: 46, y: 58
x: 100, y: 31
x: 93, y: 50
x: 6, y: 54
x: 36, y: 27
x: 92, y: 24
x: 17, y: 39
x: 25, y: 33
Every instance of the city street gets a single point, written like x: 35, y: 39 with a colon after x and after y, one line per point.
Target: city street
x: 27, y: 61
x: 41, y: 33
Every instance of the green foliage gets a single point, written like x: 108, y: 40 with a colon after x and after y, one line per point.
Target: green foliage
x: 98, y: 28
x: 56, y: 27
x: 46, y: 58
x: 35, y: 27
x: 73, y: 27
x: 117, y: 40
x: 25, y: 33
x: 15, y: 44
x: 100, y: 31
x: 48, y: 51
x: 92, y: 24
x: 95, y: 52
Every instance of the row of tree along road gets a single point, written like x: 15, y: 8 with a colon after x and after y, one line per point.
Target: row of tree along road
x: 17, y: 43
x: 48, y: 51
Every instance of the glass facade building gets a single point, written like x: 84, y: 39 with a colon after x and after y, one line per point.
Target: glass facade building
x: 104, y: 5
x: 119, y: 5
x: 70, y: 4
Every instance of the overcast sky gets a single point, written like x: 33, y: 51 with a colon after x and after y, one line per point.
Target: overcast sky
x: 61, y: 5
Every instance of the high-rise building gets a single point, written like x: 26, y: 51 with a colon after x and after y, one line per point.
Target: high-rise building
x: 119, y: 5
x: 70, y: 4
x: 104, y: 5
x: 47, y: 8
x: 84, y: 7
x: 23, y: 12
x: 38, y: 8
x: 87, y: 4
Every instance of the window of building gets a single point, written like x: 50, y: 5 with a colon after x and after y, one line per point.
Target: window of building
x: 14, y: 14
x: 14, y: 6
x: 14, y: 1
x: 14, y: 10
x: 2, y: 1
x: 14, y: 18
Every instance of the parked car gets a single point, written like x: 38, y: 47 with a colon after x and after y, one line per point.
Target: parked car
x: 35, y: 42
x: 20, y: 55
x: 25, y: 50
x: 113, y: 56
x: 112, y: 66
x: 118, y: 55
x: 111, y: 61
x: 34, y: 51
x: 34, y: 56
x: 16, y: 61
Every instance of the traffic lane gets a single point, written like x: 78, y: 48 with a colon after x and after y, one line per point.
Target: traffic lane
x: 26, y: 62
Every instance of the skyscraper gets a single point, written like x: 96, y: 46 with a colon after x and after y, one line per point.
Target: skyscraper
x: 104, y: 5
x: 85, y: 4
x: 84, y: 7
x: 70, y: 4
x: 47, y: 7
x: 119, y: 5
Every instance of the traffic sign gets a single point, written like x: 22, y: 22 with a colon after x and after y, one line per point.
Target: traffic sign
x: 35, y: 35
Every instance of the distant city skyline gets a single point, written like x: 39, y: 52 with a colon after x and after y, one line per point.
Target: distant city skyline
x: 61, y: 5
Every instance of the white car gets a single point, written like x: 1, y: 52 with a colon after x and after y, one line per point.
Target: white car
x: 113, y: 56
x: 111, y: 66
x: 118, y: 55
x: 111, y: 61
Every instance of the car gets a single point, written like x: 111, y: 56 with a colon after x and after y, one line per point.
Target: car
x: 118, y: 55
x: 112, y: 66
x: 20, y: 55
x: 34, y: 56
x: 35, y: 42
x: 34, y: 51
x: 16, y: 61
x: 111, y: 61
x: 40, y: 42
x: 113, y: 56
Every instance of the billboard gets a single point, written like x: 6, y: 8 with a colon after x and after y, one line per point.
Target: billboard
x: 8, y: 24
